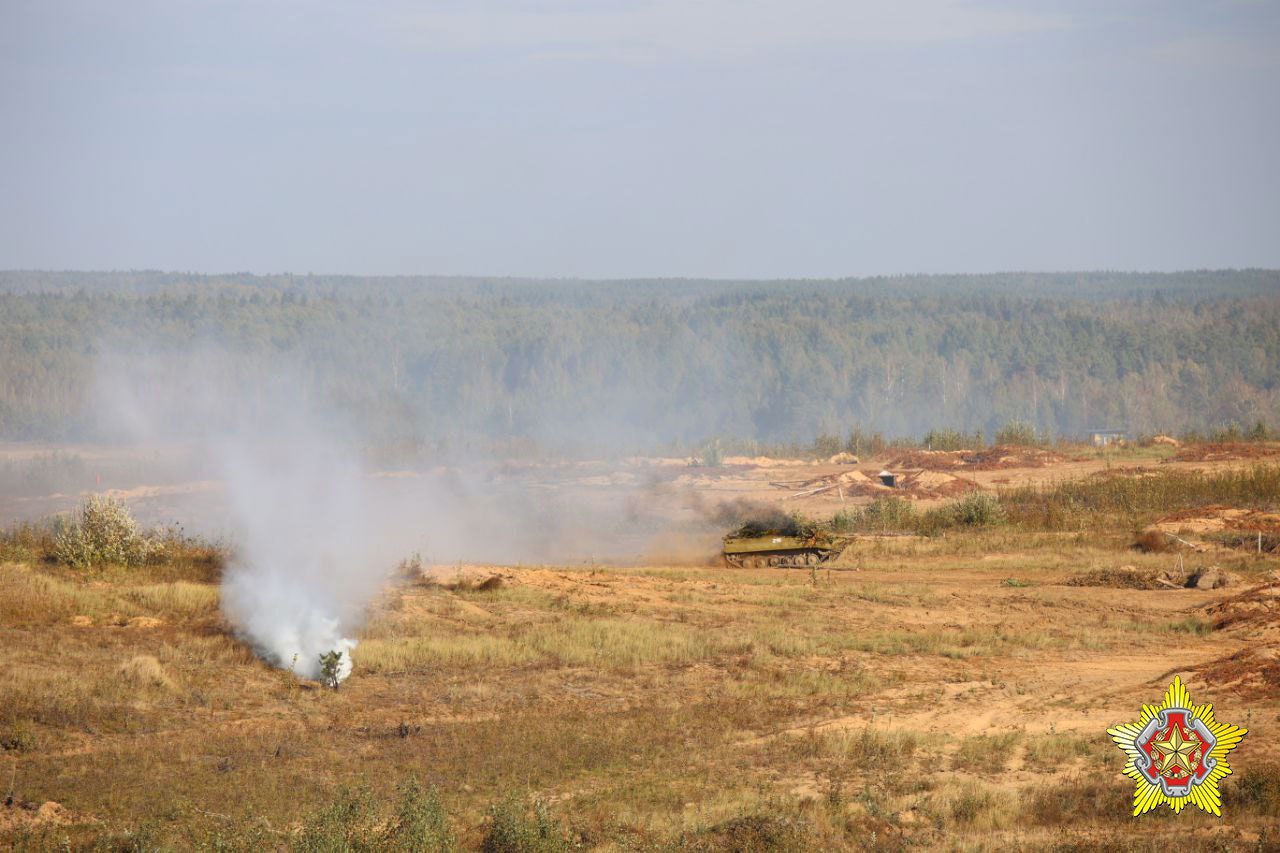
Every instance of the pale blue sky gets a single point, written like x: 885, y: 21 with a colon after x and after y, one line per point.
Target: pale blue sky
x: 727, y: 138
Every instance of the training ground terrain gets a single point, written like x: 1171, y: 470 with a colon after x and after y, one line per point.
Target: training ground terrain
x: 947, y: 682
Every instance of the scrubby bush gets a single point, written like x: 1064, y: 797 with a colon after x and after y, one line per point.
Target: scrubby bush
x: 349, y: 822
x: 104, y: 534
x: 713, y: 455
x: 950, y: 439
x: 845, y: 520
x: 976, y: 509
x: 1018, y: 434
x: 863, y: 443
x: 889, y: 514
x: 420, y: 822
x: 29, y: 542
x: 513, y: 830
x: 782, y: 833
x: 1256, y: 789
x: 827, y: 445
x: 1116, y: 500
x: 331, y: 669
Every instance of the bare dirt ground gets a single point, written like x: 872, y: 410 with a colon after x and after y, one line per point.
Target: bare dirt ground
x: 949, y: 692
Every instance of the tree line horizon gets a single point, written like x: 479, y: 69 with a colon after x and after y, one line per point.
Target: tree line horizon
x: 450, y: 362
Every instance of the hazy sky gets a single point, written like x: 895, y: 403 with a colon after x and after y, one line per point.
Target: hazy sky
x: 752, y: 138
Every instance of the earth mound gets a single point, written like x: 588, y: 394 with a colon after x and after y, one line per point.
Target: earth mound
x: 1223, y: 451
x: 995, y: 458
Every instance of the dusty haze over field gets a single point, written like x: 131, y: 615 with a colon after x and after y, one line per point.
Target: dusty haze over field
x: 652, y: 138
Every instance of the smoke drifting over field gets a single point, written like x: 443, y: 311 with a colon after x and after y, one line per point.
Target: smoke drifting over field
x: 307, y: 556
x: 315, y: 531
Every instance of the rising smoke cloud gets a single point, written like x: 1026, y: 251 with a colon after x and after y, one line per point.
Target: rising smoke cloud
x: 307, y: 559
x: 304, y: 568
x: 314, y: 532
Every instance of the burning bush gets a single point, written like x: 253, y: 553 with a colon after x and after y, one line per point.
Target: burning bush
x: 105, y: 534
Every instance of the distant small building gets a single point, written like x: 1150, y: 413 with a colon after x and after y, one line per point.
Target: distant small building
x: 890, y: 480
x: 1103, y: 437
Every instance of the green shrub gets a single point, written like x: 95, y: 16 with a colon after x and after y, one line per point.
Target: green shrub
x: 781, y: 833
x: 863, y: 443
x: 1019, y: 434
x: 1256, y: 789
x: 420, y: 823
x: 950, y: 439
x: 349, y: 822
x: 976, y: 509
x: 713, y: 455
x: 331, y: 668
x: 845, y: 521
x: 104, y: 534
x: 513, y: 830
x: 1115, y: 500
x: 827, y: 445
x: 889, y: 513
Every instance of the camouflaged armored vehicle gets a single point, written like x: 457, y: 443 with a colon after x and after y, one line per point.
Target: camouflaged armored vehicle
x: 793, y: 543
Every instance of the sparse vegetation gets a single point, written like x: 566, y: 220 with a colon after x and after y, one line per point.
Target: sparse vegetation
x: 889, y: 514
x: 894, y: 698
x: 950, y: 439
x: 986, y: 753
x: 103, y: 534
x: 1019, y: 434
x: 516, y: 829
x: 331, y: 668
x: 1115, y: 500
x: 976, y: 509
x: 712, y: 455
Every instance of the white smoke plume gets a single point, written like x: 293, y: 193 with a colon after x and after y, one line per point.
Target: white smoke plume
x: 305, y: 560
x: 302, y: 573
x: 313, y: 533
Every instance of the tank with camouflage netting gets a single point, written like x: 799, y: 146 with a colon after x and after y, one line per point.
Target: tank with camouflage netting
x: 795, y: 542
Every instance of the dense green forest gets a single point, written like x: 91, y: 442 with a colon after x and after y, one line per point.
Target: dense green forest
x: 640, y: 364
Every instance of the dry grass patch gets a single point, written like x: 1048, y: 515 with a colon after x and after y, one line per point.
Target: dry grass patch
x: 868, y: 747
x: 1081, y: 799
x: 29, y: 596
x: 976, y: 641
x: 973, y: 807
x: 180, y: 598
x: 782, y: 641
x: 1047, y: 753
x: 777, y: 678
x: 409, y: 654
x: 50, y: 697
x: 622, y: 644
x: 986, y: 753
x: 145, y: 672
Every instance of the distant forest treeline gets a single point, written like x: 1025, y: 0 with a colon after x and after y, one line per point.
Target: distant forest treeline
x: 639, y: 364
